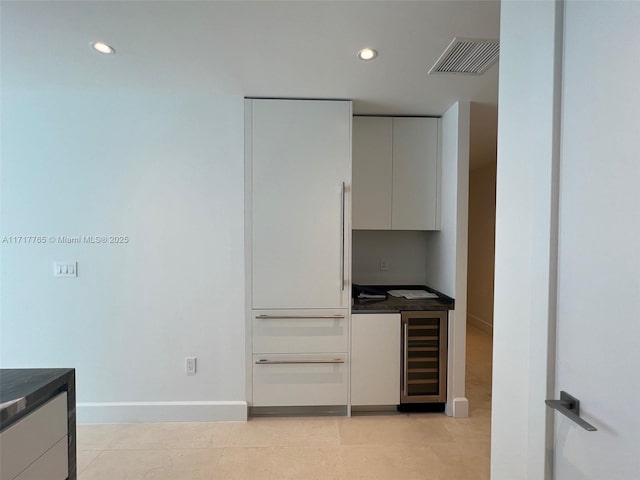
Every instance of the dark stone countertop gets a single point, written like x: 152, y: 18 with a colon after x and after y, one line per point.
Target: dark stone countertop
x: 393, y: 304
x: 22, y: 390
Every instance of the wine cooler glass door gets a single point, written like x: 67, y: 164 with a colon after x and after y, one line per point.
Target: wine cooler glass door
x: 424, y: 351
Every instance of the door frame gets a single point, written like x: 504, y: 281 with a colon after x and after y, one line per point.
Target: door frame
x: 531, y: 37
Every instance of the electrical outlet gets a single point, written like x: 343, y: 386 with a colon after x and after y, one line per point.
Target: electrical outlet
x: 384, y: 265
x: 190, y: 365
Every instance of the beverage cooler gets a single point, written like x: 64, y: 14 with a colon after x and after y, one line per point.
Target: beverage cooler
x: 424, y: 354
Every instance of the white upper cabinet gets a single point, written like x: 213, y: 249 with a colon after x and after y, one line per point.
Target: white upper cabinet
x: 415, y: 174
x: 396, y: 173
x: 372, y: 151
x: 300, y: 162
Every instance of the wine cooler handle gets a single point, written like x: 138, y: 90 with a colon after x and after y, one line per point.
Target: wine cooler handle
x: 405, y: 367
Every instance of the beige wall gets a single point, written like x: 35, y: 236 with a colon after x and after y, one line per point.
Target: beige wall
x: 482, y: 216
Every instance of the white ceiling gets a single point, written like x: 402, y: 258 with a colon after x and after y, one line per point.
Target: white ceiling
x: 271, y: 49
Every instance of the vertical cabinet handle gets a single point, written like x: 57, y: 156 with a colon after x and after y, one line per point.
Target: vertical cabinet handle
x: 405, y: 366
x: 342, y: 216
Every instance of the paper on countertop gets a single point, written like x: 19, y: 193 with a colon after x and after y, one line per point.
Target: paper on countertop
x: 372, y: 296
x: 412, y: 294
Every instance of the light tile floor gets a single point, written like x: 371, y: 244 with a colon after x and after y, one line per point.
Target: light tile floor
x: 376, y: 447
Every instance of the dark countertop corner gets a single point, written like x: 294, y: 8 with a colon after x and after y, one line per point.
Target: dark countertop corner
x: 22, y: 390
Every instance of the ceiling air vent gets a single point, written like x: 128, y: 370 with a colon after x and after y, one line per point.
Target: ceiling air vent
x: 467, y: 56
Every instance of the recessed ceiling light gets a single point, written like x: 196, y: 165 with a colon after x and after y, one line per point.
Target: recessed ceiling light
x: 367, y: 54
x: 103, y: 48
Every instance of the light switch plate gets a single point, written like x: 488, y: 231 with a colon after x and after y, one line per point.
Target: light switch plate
x: 65, y: 269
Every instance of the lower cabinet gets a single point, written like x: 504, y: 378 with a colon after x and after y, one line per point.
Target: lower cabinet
x: 300, y: 357
x: 299, y: 380
x: 305, y: 332
x: 36, y: 446
x: 52, y: 465
x: 375, y: 359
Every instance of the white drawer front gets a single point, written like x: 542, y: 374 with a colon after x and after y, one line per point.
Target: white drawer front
x: 300, y: 332
x: 298, y: 380
x: 53, y: 465
x: 29, y: 438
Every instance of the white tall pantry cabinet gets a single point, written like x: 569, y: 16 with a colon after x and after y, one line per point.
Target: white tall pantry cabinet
x: 298, y: 169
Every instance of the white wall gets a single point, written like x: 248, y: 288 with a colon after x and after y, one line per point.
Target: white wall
x: 404, y: 251
x: 530, y: 44
x: 445, y: 245
x: 166, y: 171
x: 482, y: 217
x: 447, y: 249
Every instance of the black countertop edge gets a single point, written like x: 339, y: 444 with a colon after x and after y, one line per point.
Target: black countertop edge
x: 395, y: 305
x: 24, y: 389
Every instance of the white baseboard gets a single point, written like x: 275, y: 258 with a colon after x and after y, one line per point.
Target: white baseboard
x: 480, y: 323
x: 152, y: 412
x: 459, y: 408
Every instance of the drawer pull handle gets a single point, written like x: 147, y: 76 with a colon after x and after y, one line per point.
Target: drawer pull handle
x: 282, y: 317
x: 294, y: 362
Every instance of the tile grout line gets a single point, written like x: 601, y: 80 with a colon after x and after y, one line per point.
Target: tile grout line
x: 78, y: 472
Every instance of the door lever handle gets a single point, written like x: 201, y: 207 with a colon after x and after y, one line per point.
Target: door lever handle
x: 569, y: 406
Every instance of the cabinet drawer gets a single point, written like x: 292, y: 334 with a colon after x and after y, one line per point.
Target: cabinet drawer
x: 299, y: 380
x: 29, y: 438
x: 53, y: 465
x: 300, y: 332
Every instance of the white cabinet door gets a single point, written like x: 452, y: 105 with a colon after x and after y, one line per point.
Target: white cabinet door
x: 375, y: 359
x: 372, y: 172
x: 415, y: 174
x: 301, y: 175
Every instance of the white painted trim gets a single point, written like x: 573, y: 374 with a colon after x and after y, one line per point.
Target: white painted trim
x: 150, y: 412
x: 480, y: 323
x: 460, y: 407
x: 439, y: 178
x: 248, y: 245
x: 460, y: 402
x: 456, y: 406
x: 526, y: 234
x: 456, y: 372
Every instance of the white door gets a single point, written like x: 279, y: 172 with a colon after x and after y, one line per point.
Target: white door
x: 301, y: 174
x: 598, y: 343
